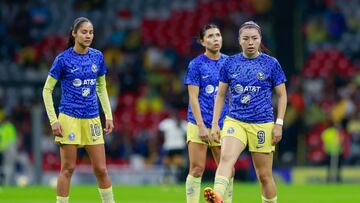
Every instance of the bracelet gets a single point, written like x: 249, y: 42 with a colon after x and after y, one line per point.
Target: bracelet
x: 279, y: 121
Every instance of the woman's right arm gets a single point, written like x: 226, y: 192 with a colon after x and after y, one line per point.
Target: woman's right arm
x: 49, y: 104
x: 195, y: 107
x: 218, y: 107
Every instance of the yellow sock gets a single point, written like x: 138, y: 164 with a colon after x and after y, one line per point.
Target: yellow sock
x: 193, y: 189
x: 62, y: 199
x: 229, y: 192
x: 272, y: 200
x: 107, y: 195
x: 221, y: 184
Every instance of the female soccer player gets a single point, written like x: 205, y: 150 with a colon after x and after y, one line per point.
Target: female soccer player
x: 81, y: 72
x: 202, y: 79
x: 251, y: 76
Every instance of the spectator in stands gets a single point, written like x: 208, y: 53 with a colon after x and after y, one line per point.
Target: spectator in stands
x: 202, y: 80
x: 250, y: 77
x: 8, y: 149
x: 81, y: 71
x: 333, y: 138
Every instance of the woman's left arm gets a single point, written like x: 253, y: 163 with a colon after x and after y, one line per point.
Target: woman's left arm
x: 105, y: 103
x: 281, y: 108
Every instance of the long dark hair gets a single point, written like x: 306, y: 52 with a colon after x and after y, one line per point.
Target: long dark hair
x: 204, y: 29
x: 74, y: 28
x: 252, y: 24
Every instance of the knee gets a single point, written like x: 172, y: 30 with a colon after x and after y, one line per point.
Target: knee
x: 67, y: 170
x: 197, y: 171
x: 265, y: 177
x: 227, y: 158
x: 100, y: 171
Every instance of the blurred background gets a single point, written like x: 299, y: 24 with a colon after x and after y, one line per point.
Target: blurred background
x: 147, y: 45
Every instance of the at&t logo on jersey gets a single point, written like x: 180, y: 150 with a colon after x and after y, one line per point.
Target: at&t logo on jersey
x: 89, y: 82
x: 240, y: 89
x: 77, y: 82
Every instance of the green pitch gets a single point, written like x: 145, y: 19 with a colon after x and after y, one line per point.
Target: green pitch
x: 243, y: 193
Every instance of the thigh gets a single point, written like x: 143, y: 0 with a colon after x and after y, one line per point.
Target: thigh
x: 71, y: 130
x: 260, y: 137
x: 235, y: 129
x: 262, y: 162
x: 231, y: 147
x: 68, y: 155
x: 92, y: 133
x: 216, y: 152
x: 96, y: 154
x: 192, y: 135
x: 197, y: 154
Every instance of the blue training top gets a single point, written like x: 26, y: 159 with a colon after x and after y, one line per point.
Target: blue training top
x: 251, y: 81
x: 77, y: 74
x: 204, y: 73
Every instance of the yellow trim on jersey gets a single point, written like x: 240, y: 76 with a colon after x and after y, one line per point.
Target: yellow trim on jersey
x: 103, y: 97
x: 48, y: 100
x: 192, y: 135
x: 257, y: 136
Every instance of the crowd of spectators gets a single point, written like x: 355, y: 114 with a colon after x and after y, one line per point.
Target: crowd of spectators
x: 147, y: 46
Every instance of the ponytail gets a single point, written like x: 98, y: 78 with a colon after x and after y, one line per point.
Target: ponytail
x: 71, y: 40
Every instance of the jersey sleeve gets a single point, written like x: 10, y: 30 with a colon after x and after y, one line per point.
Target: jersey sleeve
x: 278, y: 76
x: 223, y: 74
x: 102, y: 68
x: 192, y: 76
x: 56, y: 68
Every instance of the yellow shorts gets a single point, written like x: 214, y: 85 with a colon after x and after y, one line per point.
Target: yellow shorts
x: 80, y: 131
x: 257, y: 136
x: 192, y: 135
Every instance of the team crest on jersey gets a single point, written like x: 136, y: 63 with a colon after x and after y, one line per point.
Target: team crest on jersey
x: 209, y: 89
x: 260, y: 76
x: 94, y: 68
x: 71, y: 136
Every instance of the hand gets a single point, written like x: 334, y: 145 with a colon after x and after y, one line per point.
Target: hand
x: 276, y: 134
x: 56, y: 129
x: 204, y: 134
x: 109, y: 126
x: 215, y: 132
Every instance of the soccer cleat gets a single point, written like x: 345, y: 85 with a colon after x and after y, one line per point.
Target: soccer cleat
x: 211, y: 196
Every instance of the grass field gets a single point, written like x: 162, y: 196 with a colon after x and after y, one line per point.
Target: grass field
x: 243, y: 193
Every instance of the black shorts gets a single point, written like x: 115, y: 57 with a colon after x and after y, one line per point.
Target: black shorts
x: 174, y: 152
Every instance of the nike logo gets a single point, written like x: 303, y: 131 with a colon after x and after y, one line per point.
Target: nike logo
x: 73, y: 70
x: 205, y: 76
x: 234, y: 75
x: 258, y: 147
x: 190, y: 191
